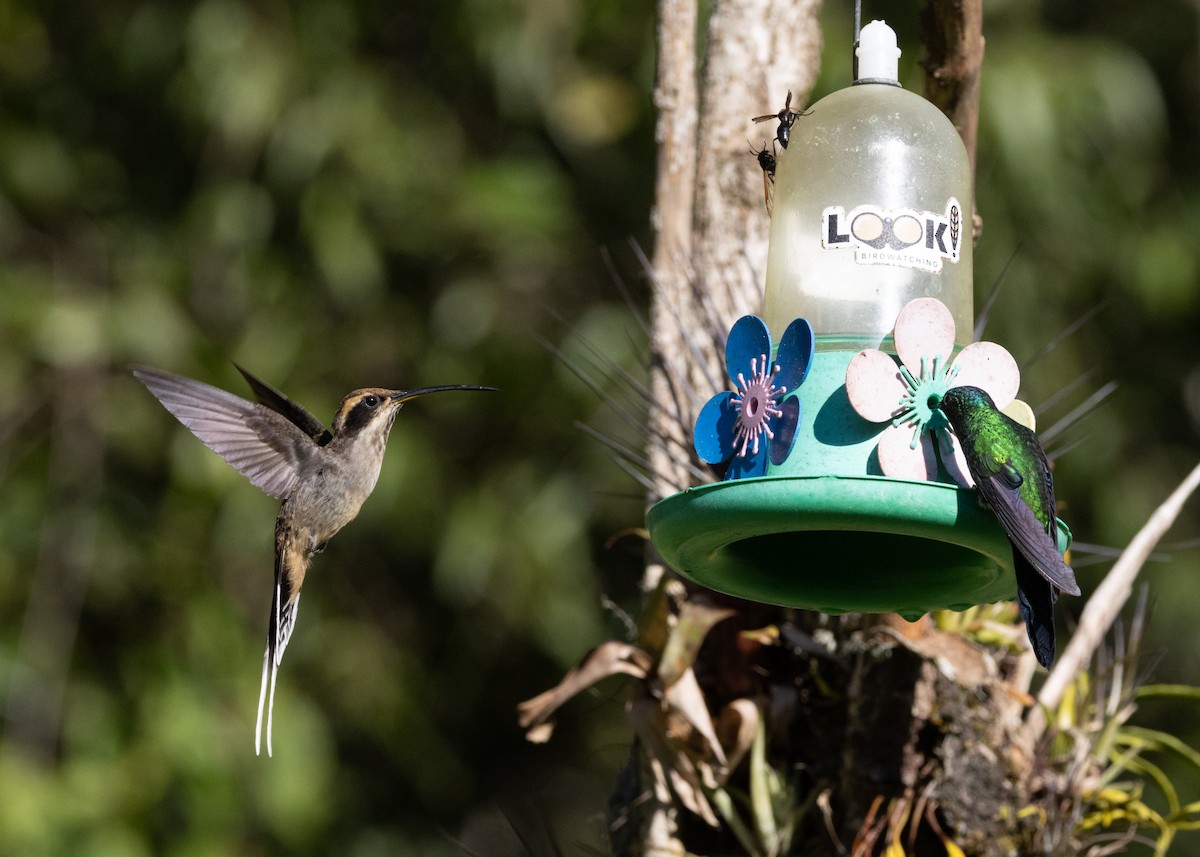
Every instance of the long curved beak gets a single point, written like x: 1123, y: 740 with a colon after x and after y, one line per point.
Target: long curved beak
x: 402, y: 396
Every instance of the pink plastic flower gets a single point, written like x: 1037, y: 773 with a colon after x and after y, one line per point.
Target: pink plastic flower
x: 906, y: 395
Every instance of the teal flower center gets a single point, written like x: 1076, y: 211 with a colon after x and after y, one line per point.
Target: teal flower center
x: 923, y: 393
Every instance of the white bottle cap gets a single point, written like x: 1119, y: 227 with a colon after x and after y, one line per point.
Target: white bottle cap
x: 877, y: 53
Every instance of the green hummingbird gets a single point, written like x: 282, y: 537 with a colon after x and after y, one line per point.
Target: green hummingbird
x: 1009, y: 467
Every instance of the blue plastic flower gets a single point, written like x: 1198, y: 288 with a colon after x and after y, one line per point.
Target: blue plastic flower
x: 756, y: 423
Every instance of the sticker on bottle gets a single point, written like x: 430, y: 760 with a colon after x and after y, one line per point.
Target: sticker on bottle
x: 897, y: 236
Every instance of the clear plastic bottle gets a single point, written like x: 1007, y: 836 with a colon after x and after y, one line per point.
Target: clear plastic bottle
x: 872, y: 208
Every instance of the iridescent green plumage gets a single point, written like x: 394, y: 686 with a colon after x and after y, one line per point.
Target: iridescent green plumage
x: 1010, y: 470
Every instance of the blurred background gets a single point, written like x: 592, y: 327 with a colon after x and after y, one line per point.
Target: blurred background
x: 340, y: 194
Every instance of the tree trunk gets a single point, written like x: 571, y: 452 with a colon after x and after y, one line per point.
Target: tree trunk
x: 709, y: 217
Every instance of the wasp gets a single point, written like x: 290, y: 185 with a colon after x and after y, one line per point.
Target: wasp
x: 766, y: 161
x: 787, y: 118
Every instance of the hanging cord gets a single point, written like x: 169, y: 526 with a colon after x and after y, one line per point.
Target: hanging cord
x: 857, y: 30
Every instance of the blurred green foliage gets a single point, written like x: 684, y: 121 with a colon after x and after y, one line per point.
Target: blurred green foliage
x: 334, y: 195
x: 337, y: 194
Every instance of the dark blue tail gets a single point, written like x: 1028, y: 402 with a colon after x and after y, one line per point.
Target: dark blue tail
x: 1035, y: 598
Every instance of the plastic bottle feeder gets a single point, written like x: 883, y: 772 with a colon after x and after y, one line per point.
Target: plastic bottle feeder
x: 844, y: 489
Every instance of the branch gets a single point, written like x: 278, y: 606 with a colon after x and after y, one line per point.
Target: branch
x: 756, y: 51
x: 709, y: 219
x: 675, y: 96
x: 676, y: 99
x: 1106, y: 602
x: 952, y: 34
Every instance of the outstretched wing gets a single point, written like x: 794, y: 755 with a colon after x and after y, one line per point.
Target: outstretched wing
x: 263, y: 445
x: 1002, y: 492
x: 281, y: 404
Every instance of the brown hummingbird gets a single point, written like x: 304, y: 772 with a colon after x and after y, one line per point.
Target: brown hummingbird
x: 321, y: 475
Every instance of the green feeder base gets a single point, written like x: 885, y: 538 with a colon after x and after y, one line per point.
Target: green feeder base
x: 837, y: 544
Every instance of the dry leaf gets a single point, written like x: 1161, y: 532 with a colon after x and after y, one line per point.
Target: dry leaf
x: 601, y: 662
x: 692, y: 626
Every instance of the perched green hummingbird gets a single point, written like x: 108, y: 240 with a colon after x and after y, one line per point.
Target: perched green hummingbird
x: 321, y: 475
x: 1009, y: 467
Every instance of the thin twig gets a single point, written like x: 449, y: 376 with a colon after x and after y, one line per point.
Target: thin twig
x: 985, y: 312
x: 1102, y: 553
x: 615, y: 370
x: 633, y: 420
x: 1106, y: 603
x: 626, y: 295
x: 1090, y: 404
x: 1066, y: 334
x: 1053, y: 399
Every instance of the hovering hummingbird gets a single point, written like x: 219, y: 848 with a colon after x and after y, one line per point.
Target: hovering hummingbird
x: 321, y: 475
x: 1010, y: 470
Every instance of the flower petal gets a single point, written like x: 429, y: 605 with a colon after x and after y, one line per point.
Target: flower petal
x: 785, y: 429
x: 715, y: 426
x: 924, y: 328
x: 751, y: 464
x: 795, y: 354
x: 874, y: 385
x: 899, y: 460
x: 1022, y: 413
x: 748, y: 340
x: 991, y: 368
x: 954, y: 461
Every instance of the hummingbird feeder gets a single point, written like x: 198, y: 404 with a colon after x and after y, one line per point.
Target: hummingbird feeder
x: 844, y: 489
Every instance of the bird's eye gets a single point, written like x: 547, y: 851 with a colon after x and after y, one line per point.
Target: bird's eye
x: 371, y: 400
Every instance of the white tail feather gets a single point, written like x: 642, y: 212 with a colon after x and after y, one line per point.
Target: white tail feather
x: 262, y: 697
x: 285, y: 621
x: 271, y: 707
